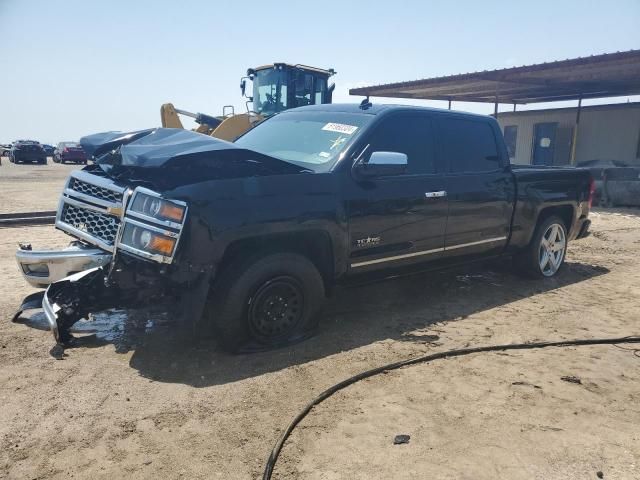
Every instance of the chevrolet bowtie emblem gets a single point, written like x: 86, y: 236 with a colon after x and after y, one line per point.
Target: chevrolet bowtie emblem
x: 115, y: 211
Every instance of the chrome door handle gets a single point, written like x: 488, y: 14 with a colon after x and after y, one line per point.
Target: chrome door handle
x: 438, y: 194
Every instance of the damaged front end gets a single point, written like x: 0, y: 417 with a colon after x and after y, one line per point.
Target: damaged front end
x: 142, y: 220
x: 127, y: 240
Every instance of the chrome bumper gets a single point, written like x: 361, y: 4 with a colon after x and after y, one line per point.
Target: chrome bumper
x: 43, y: 267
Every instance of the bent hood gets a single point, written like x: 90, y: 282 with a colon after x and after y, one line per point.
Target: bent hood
x: 174, y: 157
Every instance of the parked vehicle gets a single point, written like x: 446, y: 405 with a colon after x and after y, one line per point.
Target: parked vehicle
x: 49, y: 149
x: 621, y: 187
x: 616, y: 171
x: 23, y: 151
x: 5, y: 150
x: 69, y: 152
x: 245, y: 239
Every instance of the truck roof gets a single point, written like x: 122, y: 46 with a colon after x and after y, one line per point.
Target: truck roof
x: 378, y: 108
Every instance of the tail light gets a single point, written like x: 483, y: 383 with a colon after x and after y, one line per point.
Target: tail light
x: 66, y: 149
x: 592, y: 191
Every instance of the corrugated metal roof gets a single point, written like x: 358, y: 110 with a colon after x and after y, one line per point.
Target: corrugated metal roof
x: 596, y: 76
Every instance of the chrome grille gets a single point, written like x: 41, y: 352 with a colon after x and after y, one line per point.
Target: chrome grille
x: 98, y: 225
x: 90, y: 209
x: 95, y: 191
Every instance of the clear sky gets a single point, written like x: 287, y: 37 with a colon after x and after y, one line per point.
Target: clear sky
x: 75, y: 67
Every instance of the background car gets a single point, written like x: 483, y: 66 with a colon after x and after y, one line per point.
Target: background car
x: 597, y: 169
x: 49, y: 149
x: 5, y: 149
x: 71, y: 152
x: 23, y: 151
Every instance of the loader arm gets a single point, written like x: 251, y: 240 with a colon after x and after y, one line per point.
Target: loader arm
x: 169, y: 116
x: 232, y: 127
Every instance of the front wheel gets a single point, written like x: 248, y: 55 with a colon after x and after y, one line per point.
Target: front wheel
x: 546, y: 253
x: 269, y: 300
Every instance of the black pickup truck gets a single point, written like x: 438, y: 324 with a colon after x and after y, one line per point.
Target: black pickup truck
x: 246, y: 239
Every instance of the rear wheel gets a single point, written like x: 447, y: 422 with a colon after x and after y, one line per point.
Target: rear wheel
x: 270, y: 300
x: 546, y: 253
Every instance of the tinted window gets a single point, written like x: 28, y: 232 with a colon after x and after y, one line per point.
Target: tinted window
x: 468, y: 145
x: 409, y: 134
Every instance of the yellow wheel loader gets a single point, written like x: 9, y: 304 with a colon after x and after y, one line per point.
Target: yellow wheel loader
x: 276, y: 87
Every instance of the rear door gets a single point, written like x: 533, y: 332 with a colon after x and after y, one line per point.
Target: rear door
x: 399, y: 219
x: 479, y: 186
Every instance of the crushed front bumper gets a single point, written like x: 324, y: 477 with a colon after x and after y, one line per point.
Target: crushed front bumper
x: 66, y: 301
x: 41, y: 268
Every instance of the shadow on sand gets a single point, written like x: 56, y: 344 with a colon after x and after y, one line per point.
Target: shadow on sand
x: 354, y: 317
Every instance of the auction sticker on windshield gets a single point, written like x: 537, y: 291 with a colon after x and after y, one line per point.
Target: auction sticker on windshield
x: 340, y: 128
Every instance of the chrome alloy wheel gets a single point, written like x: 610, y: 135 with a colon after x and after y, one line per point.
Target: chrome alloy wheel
x: 553, y: 246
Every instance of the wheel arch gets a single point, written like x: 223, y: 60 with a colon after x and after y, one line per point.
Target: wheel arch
x: 315, y: 245
x: 565, y: 212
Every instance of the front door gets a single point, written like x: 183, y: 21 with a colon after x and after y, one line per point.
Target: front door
x: 398, y: 219
x: 544, y: 143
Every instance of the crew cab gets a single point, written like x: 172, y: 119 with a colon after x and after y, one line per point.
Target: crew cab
x: 246, y: 239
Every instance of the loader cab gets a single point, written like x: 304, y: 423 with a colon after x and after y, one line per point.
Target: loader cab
x: 281, y: 86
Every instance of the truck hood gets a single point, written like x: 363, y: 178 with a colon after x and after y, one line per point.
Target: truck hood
x: 170, y: 157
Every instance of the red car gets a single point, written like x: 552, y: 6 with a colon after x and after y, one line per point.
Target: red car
x: 69, y: 152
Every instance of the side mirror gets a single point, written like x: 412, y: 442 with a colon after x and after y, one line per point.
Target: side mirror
x: 243, y: 86
x: 382, y: 164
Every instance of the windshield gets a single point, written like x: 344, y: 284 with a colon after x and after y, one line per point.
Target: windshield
x: 70, y: 145
x: 270, y: 91
x: 312, y: 140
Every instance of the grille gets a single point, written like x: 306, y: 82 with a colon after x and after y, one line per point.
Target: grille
x: 95, y: 191
x: 99, y: 225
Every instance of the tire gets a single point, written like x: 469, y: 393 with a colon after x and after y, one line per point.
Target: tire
x: 531, y: 262
x: 241, y: 310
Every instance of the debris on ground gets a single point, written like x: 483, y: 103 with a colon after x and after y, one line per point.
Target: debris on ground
x: 401, y: 439
x: 572, y: 379
x: 527, y: 384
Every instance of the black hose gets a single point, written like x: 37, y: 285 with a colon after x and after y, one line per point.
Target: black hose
x: 271, y: 462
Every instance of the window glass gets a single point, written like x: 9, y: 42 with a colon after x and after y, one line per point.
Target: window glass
x: 510, y: 138
x: 468, y: 145
x: 270, y: 91
x: 303, y: 83
x: 313, y: 140
x: 408, y: 134
x: 321, y: 86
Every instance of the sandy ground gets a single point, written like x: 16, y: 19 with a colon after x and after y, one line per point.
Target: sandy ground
x: 136, y: 405
x: 43, y: 185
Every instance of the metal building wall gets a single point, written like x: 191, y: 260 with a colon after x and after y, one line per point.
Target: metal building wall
x: 606, y: 132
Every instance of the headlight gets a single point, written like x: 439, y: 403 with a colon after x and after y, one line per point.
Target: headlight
x: 152, y: 226
x: 148, y: 239
x: 158, y: 208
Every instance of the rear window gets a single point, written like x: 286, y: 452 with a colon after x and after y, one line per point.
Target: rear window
x: 468, y: 146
